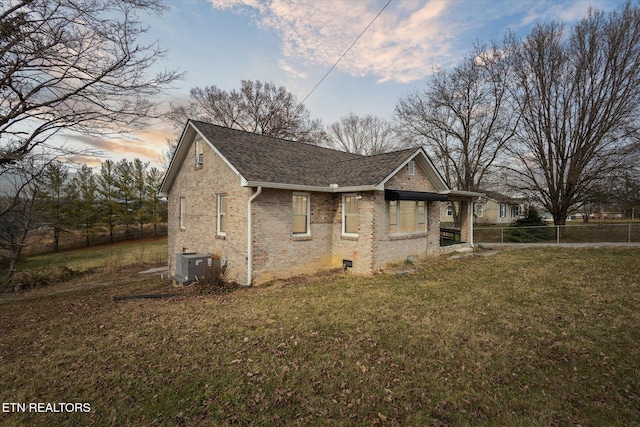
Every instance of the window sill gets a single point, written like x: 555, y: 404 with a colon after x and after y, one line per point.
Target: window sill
x: 301, y: 238
x: 405, y: 236
x: 221, y: 236
x: 353, y: 237
x: 199, y: 166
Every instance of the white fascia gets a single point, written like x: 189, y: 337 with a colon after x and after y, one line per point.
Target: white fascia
x: 310, y: 188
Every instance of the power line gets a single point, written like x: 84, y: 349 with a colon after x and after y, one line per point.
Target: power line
x: 345, y: 52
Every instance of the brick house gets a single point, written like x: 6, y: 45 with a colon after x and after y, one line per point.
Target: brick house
x: 273, y: 208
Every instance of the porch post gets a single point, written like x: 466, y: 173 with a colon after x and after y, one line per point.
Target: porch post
x: 464, y: 221
x: 471, y: 223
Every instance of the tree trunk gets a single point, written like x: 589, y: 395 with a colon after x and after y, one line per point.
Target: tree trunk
x: 56, y: 239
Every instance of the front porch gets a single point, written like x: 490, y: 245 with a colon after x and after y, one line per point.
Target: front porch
x: 450, y: 236
x: 458, y: 235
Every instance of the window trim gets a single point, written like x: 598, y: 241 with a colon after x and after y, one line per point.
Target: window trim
x: 199, y: 152
x: 449, y: 210
x: 502, y: 210
x: 344, y: 214
x: 220, y: 214
x: 182, y: 213
x: 411, y: 168
x: 307, y: 214
x: 516, y: 211
x: 417, y: 217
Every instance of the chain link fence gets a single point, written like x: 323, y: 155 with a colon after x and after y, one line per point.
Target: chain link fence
x: 583, y: 233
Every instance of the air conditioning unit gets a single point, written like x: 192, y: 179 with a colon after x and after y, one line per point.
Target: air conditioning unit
x: 192, y: 266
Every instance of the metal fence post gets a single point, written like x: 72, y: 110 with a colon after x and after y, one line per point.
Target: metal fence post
x: 501, y: 235
x: 558, y: 234
x: 629, y: 235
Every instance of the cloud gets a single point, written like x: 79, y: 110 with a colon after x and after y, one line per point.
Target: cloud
x: 570, y: 12
x: 404, y: 44
x: 148, y: 145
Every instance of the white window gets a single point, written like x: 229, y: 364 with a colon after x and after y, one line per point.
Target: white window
x: 449, y: 210
x: 350, y: 218
x: 221, y: 223
x: 412, y: 167
x: 199, y: 151
x: 517, y: 211
x: 407, y: 216
x: 182, y: 213
x: 479, y: 209
x: 503, y: 211
x: 301, y: 207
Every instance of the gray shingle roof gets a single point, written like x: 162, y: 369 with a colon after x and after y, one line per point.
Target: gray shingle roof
x: 260, y: 158
x: 502, y: 198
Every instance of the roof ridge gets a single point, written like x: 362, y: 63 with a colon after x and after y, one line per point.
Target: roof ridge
x: 379, y: 154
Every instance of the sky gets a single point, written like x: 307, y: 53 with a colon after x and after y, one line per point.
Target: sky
x: 293, y: 43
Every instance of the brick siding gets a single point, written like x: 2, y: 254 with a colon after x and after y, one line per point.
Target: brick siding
x: 277, y: 252
x: 200, y: 186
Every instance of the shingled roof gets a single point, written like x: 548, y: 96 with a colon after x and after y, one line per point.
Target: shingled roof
x: 502, y: 198
x: 264, y: 160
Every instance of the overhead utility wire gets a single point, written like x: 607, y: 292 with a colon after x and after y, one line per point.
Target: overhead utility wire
x: 345, y: 52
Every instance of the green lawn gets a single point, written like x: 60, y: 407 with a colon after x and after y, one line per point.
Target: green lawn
x: 524, y: 337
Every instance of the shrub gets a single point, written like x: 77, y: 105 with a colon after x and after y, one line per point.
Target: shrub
x: 30, y: 280
x: 529, y: 229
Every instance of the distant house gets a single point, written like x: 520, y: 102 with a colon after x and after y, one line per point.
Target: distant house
x: 499, y: 209
x: 272, y: 208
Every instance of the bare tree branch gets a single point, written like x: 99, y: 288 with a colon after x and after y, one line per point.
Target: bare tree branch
x: 257, y: 107
x: 579, y: 95
x: 463, y: 117
x: 68, y: 64
x: 366, y: 135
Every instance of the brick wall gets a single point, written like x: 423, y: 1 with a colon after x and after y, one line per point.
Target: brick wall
x: 277, y: 252
x: 358, y: 250
x: 200, y: 186
x: 389, y: 247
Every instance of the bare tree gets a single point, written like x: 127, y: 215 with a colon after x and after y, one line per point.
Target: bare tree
x: 366, y: 135
x: 579, y: 94
x: 463, y: 117
x: 257, y: 107
x: 74, y: 64
x: 167, y: 154
x: 20, y: 210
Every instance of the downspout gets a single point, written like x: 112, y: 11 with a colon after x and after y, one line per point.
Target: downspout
x: 250, y: 238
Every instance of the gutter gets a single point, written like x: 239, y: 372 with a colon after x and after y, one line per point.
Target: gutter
x: 332, y: 188
x: 250, y: 238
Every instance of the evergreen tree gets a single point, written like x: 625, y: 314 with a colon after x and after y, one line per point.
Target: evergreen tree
x: 126, y: 194
x: 85, y: 197
x: 155, y: 207
x: 54, y: 197
x: 139, y: 187
x: 108, y: 195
